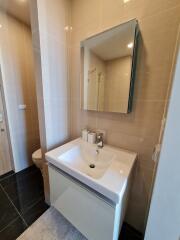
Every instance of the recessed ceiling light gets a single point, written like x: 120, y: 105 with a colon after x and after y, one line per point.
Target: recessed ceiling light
x: 130, y: 45
x: 126, y: 1
x: 0, y: 25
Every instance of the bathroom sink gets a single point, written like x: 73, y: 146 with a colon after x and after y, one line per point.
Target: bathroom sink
x: 104, y: 170
x: 87, y: 159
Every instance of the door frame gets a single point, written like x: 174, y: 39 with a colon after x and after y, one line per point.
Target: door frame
x: 6, y: 118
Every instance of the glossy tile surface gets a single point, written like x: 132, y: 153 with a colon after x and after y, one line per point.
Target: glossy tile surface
x: 6, y: 175
x: 21, y: 201
x: 13, y: 230
x: 138, y: 131
x: 7, y: 210
x: 23, y: 189
x: 32, y: 213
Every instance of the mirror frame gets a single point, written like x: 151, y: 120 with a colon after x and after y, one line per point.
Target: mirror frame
x: 133, y: 68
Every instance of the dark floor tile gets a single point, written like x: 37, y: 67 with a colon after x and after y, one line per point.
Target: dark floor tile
x: 129, y: 233
x: 6, y: 175
x: 7, y: 210
x: 20, y: 175
x: 24, y: 188
x: 35, y: 212
x: 13, y: 230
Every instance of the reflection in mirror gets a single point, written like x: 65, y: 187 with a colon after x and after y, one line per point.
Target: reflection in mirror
x: 108, y: 66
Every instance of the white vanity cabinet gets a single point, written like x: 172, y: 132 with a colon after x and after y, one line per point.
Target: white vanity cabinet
x: 96, y: 217
x: 93, y: 199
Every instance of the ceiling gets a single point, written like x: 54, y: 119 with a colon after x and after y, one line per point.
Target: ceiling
x: 17, y: 8
x: 113, y: 43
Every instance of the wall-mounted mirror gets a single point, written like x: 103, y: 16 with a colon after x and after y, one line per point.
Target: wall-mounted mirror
x: 108, y: 69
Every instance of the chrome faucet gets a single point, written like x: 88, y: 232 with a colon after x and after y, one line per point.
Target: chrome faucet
x: 100, y: 140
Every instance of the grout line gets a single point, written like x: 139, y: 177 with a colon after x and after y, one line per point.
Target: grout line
x: 11, y: 222
x: 13, y: 205
x: 2, y: 179
x: 159, y: 12
x: 40, y: 199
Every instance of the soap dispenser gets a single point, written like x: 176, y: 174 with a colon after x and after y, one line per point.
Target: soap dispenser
x: 85, y: 134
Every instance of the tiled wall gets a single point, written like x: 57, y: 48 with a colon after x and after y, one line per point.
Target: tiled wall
x: 19, y: 87
x: 117, y: 84
x: 139, y: 130
x: 93, y: 85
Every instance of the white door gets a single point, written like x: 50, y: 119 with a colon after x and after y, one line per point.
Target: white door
x: 5, y: 159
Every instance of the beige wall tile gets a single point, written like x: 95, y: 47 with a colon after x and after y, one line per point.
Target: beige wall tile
x: 83, y: 33
x: 139, y: 130
x: 116, y: 12
x: 139, y: 196
x: 152, y: 85
x: 85, y: 14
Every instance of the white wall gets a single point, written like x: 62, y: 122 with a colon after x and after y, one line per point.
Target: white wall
x: 50, y: 41
x: 17, y: 67
x: 50, y: 21
x: 164, y: 217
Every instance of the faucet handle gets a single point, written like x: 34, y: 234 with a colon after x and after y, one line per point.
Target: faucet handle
x: 100, y: 136
x: 100, y: 140
x: 101, y: 132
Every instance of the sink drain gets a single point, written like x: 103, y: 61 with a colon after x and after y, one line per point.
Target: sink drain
x: 92, y: 165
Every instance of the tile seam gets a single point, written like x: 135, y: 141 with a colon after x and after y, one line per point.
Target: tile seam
x: 13, y: 205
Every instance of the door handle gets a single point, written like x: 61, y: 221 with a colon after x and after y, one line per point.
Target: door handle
x: 2, y: 130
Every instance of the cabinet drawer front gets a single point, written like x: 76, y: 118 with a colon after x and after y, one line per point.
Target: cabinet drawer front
x: 90, y: 214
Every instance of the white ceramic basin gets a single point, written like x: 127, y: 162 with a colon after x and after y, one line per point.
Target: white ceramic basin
x: 106, y: 172
x: 84, y: 158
